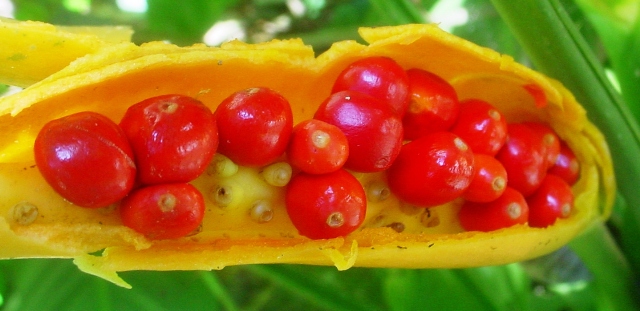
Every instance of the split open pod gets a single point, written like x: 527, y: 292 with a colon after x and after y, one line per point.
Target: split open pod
x: 37, y: 222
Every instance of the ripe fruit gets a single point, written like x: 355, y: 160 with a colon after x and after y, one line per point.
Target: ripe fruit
x: 524, y: 159
x: 482, y: 126
x: 254, y: 126
x: 433, y: 105
x: 380, y: 77
x: 489, y: 180
x: 567, y: 166
x: 86, y: 158
x: 317, y: 147
x: 166, y: 211
x: 327, y: 205
x: 432, y: 170
x: 373, y: 131
x: 508, y: 210
x: 174, y: 137
x: 550, y: 141
x: 552, y: 200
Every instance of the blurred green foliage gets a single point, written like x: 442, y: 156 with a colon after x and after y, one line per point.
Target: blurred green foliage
x: 611, y: 32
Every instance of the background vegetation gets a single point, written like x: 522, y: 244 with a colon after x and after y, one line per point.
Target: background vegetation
x: 593, y: 46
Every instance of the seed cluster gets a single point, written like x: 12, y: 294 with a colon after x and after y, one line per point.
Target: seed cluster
x: 428, y: 147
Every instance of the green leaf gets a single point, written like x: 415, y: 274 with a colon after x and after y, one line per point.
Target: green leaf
x: 50, y: 284
x: 618, y: 24
x: 217, y: 290
x: 325, y: 287
x: 613, y: 276
x: 626, y: 222
x: 440, y: 289
x: 487, y: 288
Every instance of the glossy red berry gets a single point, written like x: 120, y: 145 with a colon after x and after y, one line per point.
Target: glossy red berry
x: 378, y: 76
x: 552, y: 200
x: 324, y: 206
x: 489, y: 180
x: 165, y: 211
x: 317, y: 147
x: 373, y: 131
x: 482, y: 126
x: 174, y: 138
x: 433, y: 104
x: 432, y: 170
x: 254, y: 126
x: 86, y: 158
x: 567, y: 165
x: 524, y: 159
x: 508, y: 210
x: 550, y: 141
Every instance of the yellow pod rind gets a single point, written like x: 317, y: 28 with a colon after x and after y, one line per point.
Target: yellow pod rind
x: 115, y: 77
x: 31, y: 51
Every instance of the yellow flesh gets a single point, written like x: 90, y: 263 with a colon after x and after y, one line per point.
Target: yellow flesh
x: 119, y: 75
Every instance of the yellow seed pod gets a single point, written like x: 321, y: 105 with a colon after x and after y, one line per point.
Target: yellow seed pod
x: 33, y: 50
x: 394, y: 234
